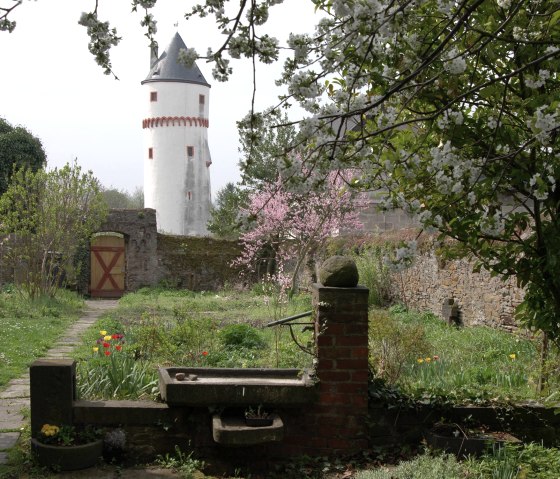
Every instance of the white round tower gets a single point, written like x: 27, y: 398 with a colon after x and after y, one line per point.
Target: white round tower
x: 176, y: 153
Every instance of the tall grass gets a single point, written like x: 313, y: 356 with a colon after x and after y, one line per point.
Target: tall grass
x: 117, y: 377
x: 460, y: 363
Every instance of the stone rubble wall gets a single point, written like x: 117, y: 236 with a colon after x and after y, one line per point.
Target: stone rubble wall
x: 482, y: 299
x: 198, y: 264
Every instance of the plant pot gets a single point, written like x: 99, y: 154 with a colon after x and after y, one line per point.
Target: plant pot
x: 259, y: 421
x: 67, y: 458
x: 474, y: 444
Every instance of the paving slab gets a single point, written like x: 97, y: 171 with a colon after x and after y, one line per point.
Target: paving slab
x: 110, y: 472
x: 8, y: 440
x: 13, y: 404
x: 12, y: 423
x: 15, y: 391
x: 24, y: 380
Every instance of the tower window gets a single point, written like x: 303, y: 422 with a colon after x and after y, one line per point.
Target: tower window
x: 190, y: 151
x: 153, y: 96
x: 189, y: 195
x: 201, y: 99
x: 150, y: 153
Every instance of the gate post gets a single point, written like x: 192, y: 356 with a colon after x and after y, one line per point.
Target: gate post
x: 53, y: 390
x: 341, y: 324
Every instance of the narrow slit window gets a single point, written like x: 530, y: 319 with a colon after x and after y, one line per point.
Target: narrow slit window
x: 190, y: 151
x: 189, y: 196
x: 150, y: 153
x: 153, y: 96
x: 201, y: 99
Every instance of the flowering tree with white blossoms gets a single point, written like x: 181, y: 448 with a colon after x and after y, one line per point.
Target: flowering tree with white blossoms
x: 449, y: 106
x: 290, y: 227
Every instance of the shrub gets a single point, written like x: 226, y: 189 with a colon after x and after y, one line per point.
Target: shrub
x: 148, y: 336
x: 241, y: 336
x: 191, y: 337
x: 421, y: 467
x: 511, y: 461
x: 375, y: 275
x: 394, y: 345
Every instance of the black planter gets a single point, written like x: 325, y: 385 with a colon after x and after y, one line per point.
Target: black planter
x: 67, y: 458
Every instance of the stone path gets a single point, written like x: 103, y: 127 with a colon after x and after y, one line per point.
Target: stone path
x: 16, y: 395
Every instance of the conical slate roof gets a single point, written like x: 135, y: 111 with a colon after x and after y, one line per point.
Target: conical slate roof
x: 166, y: 68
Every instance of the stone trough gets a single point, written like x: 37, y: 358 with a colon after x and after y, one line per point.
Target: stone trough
x: 234, y: 388
x: 180, y: 386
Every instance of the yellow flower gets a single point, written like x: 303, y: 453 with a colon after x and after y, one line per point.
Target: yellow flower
x: 107, y: 338
x: 95, y: 350
x: 103, y: 332
x: 428, y: 360
x: 49, y: 430
x: 419, y: 360
x: 512, y: 356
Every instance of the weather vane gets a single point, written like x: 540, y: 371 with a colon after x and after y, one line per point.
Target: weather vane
x: 176, y: 24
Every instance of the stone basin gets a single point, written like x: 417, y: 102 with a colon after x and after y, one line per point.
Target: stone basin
x: 237, y: 387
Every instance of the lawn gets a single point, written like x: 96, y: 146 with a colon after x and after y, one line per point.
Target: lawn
x: 29, y: 328
x: 164, y: 327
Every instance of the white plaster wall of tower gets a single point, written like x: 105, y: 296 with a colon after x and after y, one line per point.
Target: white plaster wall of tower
x: 176, y: 152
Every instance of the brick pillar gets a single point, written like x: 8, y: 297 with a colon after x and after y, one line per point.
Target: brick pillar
x: 342, y: 367
x: 53, y: 386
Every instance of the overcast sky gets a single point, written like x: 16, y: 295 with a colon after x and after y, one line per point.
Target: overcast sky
x: 51, y: 84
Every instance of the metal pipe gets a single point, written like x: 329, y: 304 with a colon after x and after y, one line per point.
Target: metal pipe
x: 289, y: 318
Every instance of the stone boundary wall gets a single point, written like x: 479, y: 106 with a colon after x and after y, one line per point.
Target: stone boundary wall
x: 198, y: 264
x: 397, y: 425
x: 481, y: 298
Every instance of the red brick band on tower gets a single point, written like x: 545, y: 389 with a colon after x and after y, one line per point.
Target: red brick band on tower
x: 174, y: 120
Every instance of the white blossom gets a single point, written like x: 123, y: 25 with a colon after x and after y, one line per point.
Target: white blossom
x: 543, y: 76
x: 187, y: 56
x: 449, y: 116
x: 543, y: 124
x: 492, y: 225
x: 455, y: 64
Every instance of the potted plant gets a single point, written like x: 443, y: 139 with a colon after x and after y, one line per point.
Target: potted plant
x: 114, y: 446
x: 258, y: 417
x: 67, y: 448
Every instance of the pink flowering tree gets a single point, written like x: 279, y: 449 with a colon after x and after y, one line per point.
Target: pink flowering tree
x: 290, y: 226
